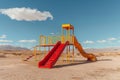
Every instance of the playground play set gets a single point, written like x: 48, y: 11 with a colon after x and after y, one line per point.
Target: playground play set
x: 56, y: 46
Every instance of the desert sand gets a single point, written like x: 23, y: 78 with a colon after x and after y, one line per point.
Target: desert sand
x: 106, y: 68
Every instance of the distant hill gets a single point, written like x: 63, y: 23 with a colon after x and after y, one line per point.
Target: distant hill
x: 99, y: 50
x: 10, y: 47
x: 89, y: 50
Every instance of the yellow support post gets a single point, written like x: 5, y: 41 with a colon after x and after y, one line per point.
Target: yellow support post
x: 62, y: 36
x: 44, y: 50
x: 73, y: 54
x: 39, y: 52
x: 35, y: 53
x: 69, y: 35
x: 63, y: 57
x: 63, y: 39
x: 68, y: 54
x: 49, y: 40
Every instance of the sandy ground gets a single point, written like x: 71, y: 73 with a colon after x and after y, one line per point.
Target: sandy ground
x: 106, y: 68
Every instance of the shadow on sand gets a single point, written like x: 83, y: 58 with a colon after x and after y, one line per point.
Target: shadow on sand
x: 78, y: 62
x: 105, y: 60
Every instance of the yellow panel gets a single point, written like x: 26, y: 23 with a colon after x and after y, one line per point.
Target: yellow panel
x: 67, y: 26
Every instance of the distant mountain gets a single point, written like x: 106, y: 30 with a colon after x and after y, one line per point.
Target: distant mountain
x: 10, y: 47
x: 89, y: 50
x: 99, y: 50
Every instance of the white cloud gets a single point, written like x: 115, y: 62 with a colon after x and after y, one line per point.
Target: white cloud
x: 27, y: 41
x: 101, y: 41
x: 3, y: 36
x: 88, y: 42
x: 6, y: 41
x: 26, y: 14
x: 112, y: 39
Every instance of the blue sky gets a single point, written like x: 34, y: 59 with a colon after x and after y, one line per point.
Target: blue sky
x: 96, y: 22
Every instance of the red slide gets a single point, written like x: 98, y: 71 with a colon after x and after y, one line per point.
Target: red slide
x: 52, y: 56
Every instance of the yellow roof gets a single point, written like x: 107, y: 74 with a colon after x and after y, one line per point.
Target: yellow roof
x: 67, y: 26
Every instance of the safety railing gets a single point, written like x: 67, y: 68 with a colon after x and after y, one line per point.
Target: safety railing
x: 51, y: 40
